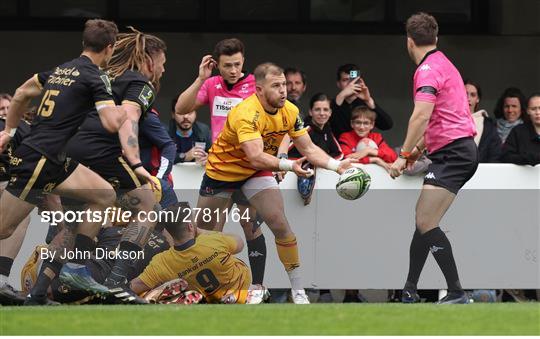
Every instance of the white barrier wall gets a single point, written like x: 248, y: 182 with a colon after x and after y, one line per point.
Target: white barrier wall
x: 494, y: 228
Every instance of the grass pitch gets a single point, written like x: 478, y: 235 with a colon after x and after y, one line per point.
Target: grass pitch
x: 274, y: 319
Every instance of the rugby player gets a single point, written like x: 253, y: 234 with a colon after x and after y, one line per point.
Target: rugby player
x: 204, y: 259
x: 221, y: 93
x: 135, y: 69
x: 9, y: 247
x: 39, y: 164
x: 442, y: 123
x: 244, y: 157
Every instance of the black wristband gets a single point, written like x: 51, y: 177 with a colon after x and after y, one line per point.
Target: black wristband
x: 137, y: 165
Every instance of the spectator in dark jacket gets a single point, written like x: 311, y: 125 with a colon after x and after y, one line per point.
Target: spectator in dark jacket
x: 185, y: 132
x: 353, y: 93
x: 522, y: 146
x: 487, y: 139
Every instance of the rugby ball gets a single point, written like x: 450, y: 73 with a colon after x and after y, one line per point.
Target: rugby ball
x: 353, y: 183
x: 366, y: 142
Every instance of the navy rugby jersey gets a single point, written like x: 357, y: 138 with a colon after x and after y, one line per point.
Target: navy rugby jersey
x: 70, y: 92
x: 93, y: 141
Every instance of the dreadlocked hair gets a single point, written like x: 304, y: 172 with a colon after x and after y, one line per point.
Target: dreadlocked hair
x: 131, y: 51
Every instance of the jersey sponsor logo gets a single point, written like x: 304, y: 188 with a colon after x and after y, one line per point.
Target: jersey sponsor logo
x: 434, y: 248
x: 255, y: 121
x: 430, y: 175
x: 146, y: 97
x: 218, y: 86
x: 425, y: 67
x: 107, y: 83
x: 223, y: 105
x: 299, y: 124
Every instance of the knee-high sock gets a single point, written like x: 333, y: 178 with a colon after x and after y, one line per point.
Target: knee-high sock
x: 257, y: 258
x: 418, y: 253
x: 440, y: 247
x: 287, y: 249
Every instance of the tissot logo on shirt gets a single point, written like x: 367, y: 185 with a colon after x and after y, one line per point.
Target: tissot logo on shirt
x: 223, y: 105
x: 146, y: 97
x: 425, y: 67
x: 107, y: 83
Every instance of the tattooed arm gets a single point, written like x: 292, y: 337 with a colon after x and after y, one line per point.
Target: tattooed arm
x: 129, y: 139
x: 129, y: 134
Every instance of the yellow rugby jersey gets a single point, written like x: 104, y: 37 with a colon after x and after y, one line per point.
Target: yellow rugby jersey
x: 207, y: 264
x: 248, y: 121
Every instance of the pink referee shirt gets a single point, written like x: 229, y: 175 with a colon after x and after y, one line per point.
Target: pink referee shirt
x: 220, y: 98
x: 451, y: 118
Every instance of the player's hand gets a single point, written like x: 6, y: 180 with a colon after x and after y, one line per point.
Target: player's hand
x: 397, y: 167
x: 143, y: 174
x: 364, y: 94
x: 299, y: 171
x: 353, y: 88
x: 346, y: 164
x: 413, y: 157
x: 206, y: 67
x: 4, y: 141
x: 280, y: 176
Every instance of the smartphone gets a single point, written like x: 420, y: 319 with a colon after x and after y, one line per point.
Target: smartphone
x: 353, y: 74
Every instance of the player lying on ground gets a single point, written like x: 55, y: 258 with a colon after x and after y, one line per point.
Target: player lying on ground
x: 204, y: 259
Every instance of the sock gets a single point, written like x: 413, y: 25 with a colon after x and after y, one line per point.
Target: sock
x: 122, y: 269
x: 84, y: 244
x: 418, y: 253
x: 5, y: 265
x: 287, y: 250
x: 257, y: 258
x: 49, y: 270
x: 440, y: 247
x: 295, y: 279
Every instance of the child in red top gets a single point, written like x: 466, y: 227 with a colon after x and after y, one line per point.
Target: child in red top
x: 376, y: 152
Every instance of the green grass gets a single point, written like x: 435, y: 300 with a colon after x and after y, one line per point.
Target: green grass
x: 274, y: 319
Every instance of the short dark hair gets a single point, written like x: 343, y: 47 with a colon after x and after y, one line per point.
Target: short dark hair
x: 511, y: 92
x: 318, y: 97
x: 534, y: 95
x: 294, y: 70
x: 422, y: 28
x: 262, y: 70
x: 175, y: 225
x: 98, y: 34
x: 5, y: 96
x: 228, y: 47
x: 346, y: 68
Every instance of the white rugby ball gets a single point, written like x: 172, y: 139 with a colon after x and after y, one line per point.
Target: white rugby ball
x: 366, y: 142
x: 353, y: 183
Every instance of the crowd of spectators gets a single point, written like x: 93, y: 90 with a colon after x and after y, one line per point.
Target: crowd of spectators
x: 349, y: 124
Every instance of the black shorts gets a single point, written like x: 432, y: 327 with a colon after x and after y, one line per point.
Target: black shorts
x: 453, y: 165
x: 211, y: 187
x: 32, y: 175
x: 116, y: 171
